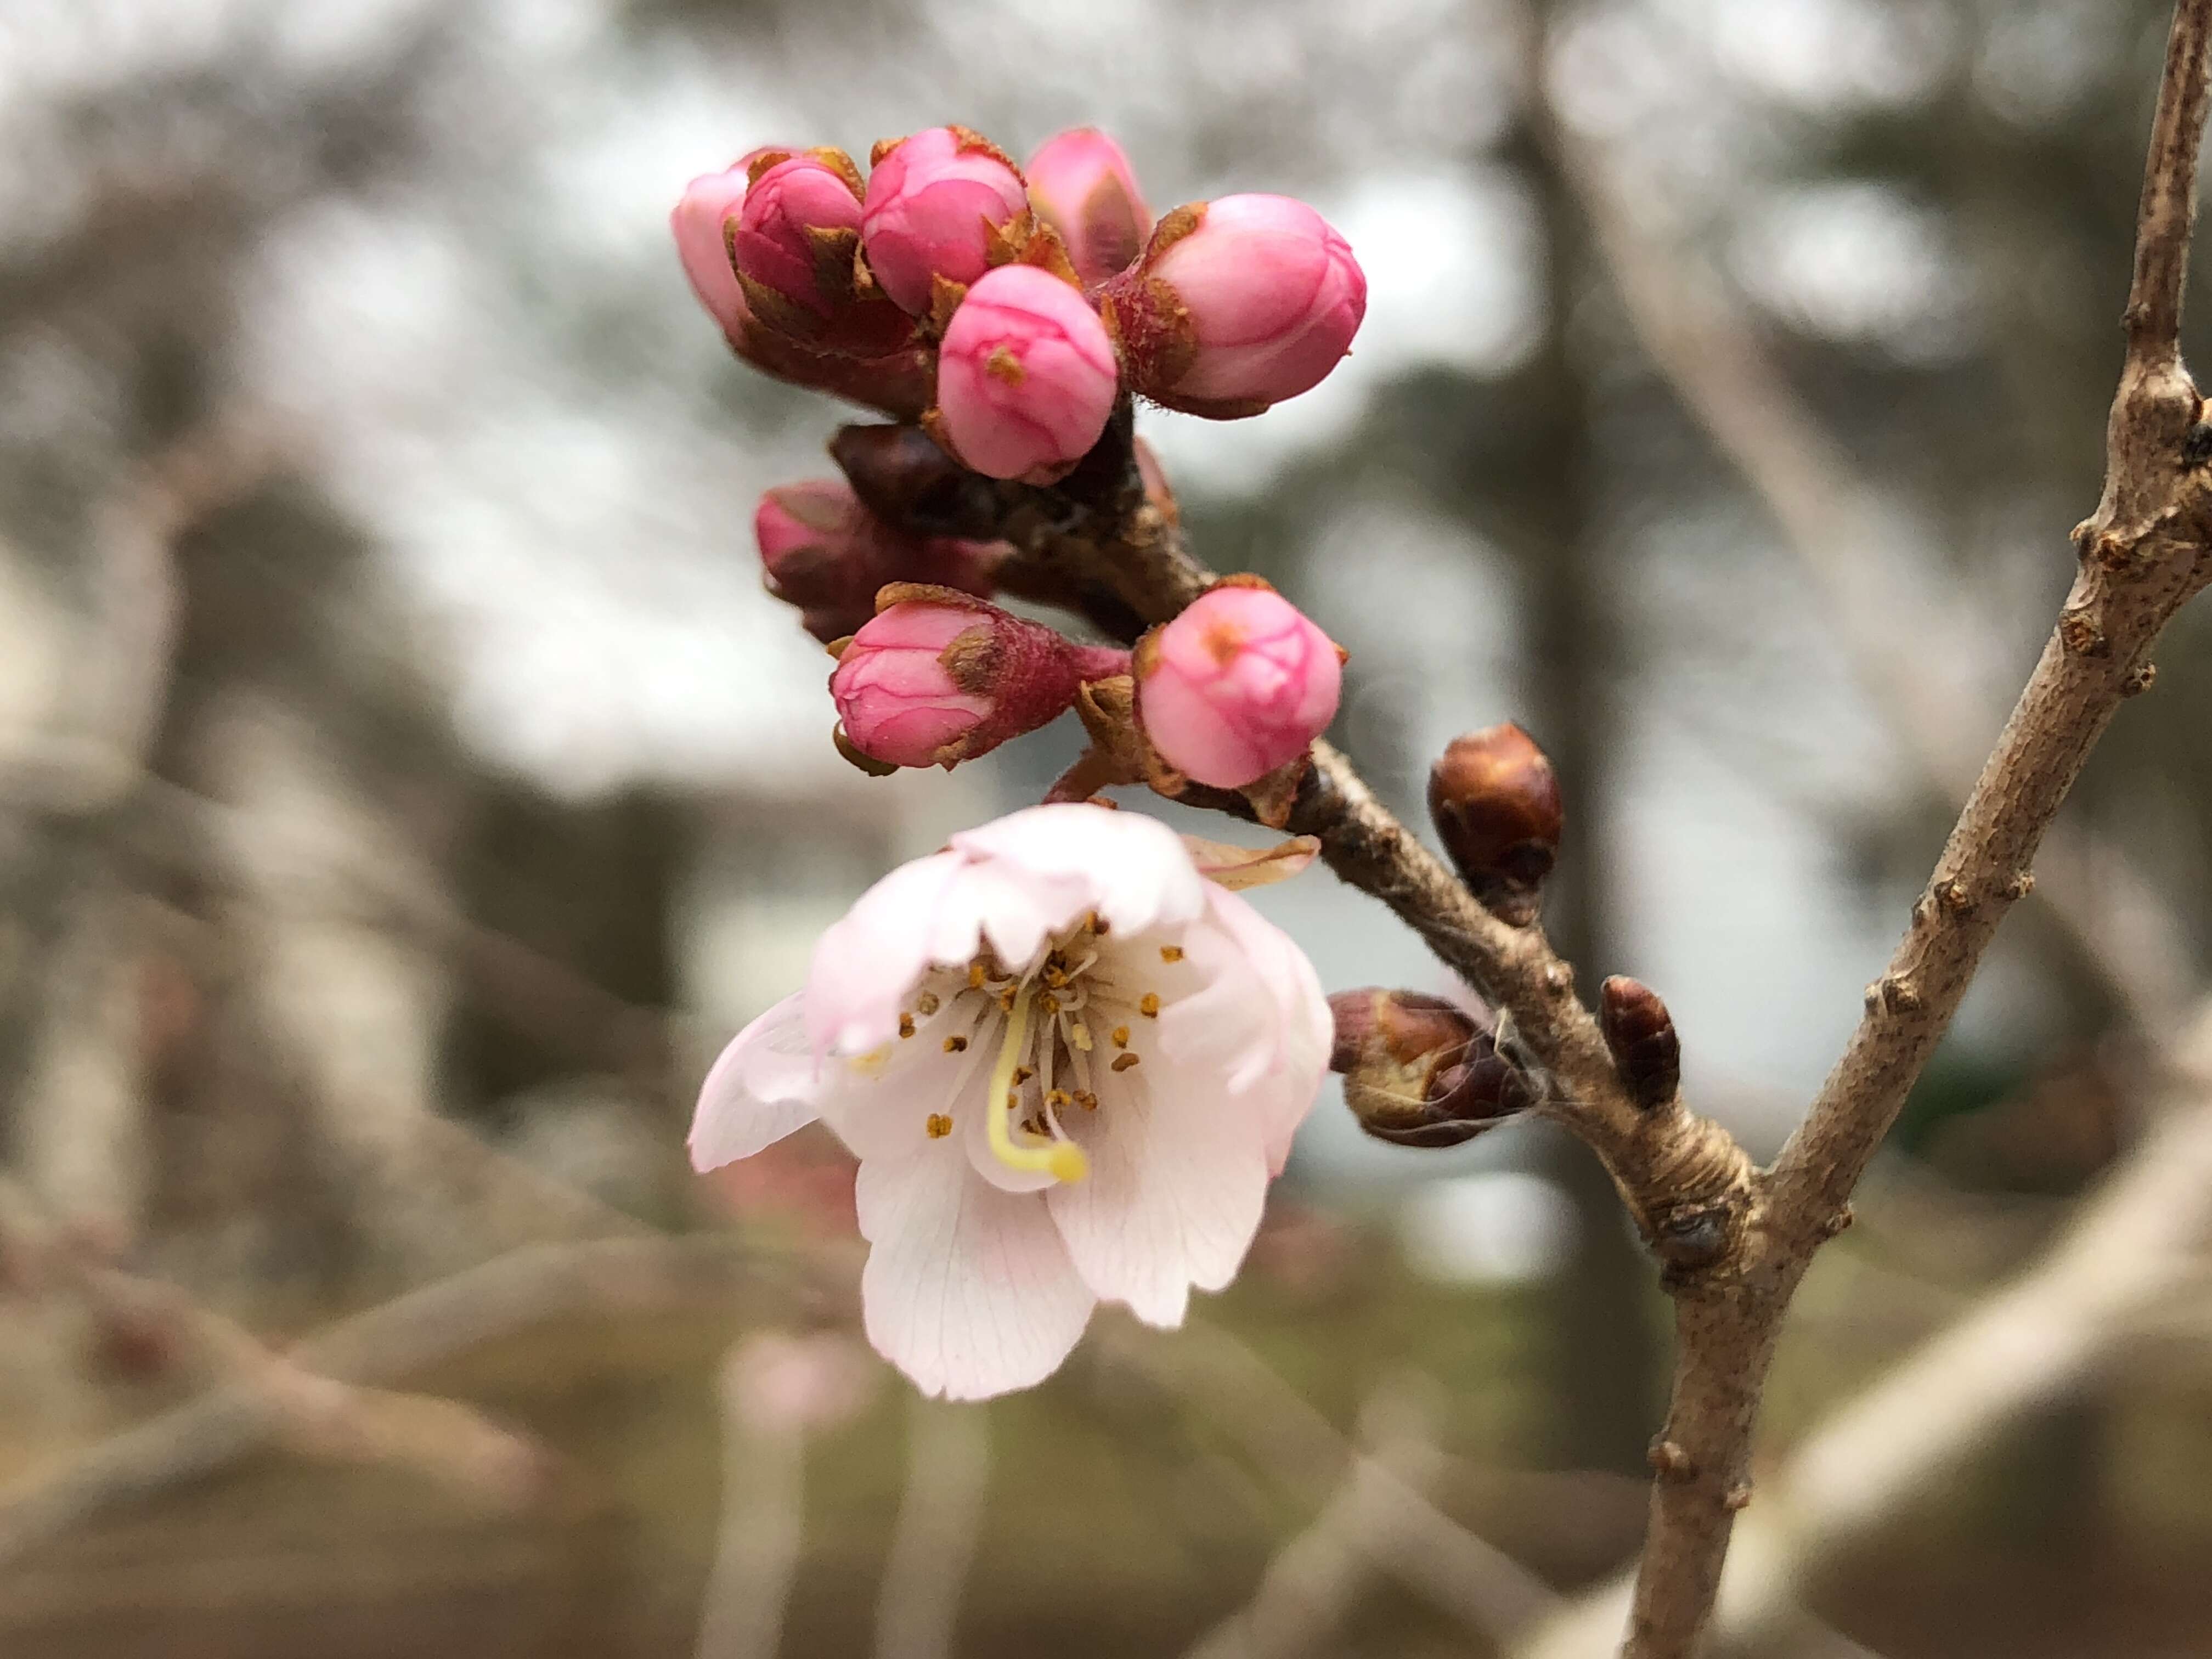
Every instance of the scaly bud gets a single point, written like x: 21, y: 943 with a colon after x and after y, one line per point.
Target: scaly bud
x: 795, y: 248
x: 903, y: 477
x: 1496, y: 804
x: 944, y: 205
x: 898, y: 384
x: 1237, y: 304
x: 1238, y: 685
x: 825, y: 553
x: 1026, y: 377
x: 938, y: 677
x: 1083, y: 187
x: 1641, y: 1034
x: 1420, y: 1071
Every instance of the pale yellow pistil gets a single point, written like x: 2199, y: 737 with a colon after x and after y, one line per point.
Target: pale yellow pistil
x: 1061, y: 1159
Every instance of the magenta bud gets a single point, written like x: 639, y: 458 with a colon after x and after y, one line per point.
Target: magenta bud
x: 1237, y: 304
x: 795, y: 247
x: 1238, y: 685
x: 1083, y: 187
x: 938, y: 677
x: 1026, y: 377
x: 897, y: 383
x: 943, y: 203
x: 824, y: 552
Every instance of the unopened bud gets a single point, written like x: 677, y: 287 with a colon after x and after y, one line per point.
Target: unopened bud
x: 1641, y: 1034
x: 825, y: 553
x: 1026, y: 377
x: 899, y: 383
x: 1083, y: 187
x: 903, y: 477
x: 1494, y: 802
x: 1420, y: 1071
x: 1238, y: 685
x: 795, y: 247
x: 944, y: 205
x: 1237, y: 304
x: 938, y: 677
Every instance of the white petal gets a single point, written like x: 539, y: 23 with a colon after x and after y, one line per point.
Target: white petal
x: 864, y: 967
x: 1133, y: 869
x: 882, y: 1109
x: 1261, y: 1018
x: 1178, y: 1178
x: 968, y: 1290
x: 763, y: 1086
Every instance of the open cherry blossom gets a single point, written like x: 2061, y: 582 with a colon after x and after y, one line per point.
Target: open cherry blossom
x: 1069, y: 1064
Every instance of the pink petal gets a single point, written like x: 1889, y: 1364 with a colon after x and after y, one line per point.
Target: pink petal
x: 763, y: 1086
x: 969, y: 1290
x: 1133, y: 869
x: 865, y: 965
x: 1178, y: 1180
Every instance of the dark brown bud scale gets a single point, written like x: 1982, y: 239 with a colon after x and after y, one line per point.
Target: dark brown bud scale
x: 1494, y: 802
x: 1420, y: 1071
x: 904, y: 478
x: 1640, y: 1032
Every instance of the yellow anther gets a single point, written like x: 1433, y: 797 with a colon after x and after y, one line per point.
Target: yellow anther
x: 1057, y: 1098
x: 1086, y: 1100
x: 1022, y: 1074
x: 1079, y: 1034
x: 927, y: 1003
x: 906, y: 1025
x: 1054, y: 978
x: 1098, y: 925
x: 939, y: 1125
x: 1048, y: 1003
x: 1060, y: 1159
x: 1172, y: 953
x: 1149, y: 1004
x: 975, y: 976
x: 1123, y: 1062
x: 1006, y: 999
x: 1121, y: 1036
x: 954, y: 1045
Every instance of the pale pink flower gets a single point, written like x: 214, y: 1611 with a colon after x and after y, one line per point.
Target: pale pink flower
x: 1025, y: 378
x: 1083, y: 187
x: 1237, y: 304
x: 940, y: 203
x: 937, y: 677
x: 1069, y: 1066
x: 1237, y: 685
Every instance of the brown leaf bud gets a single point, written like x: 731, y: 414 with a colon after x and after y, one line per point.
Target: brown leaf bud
x: 1641, y: 1034
x: 1420, y: 1071
x: 1494, y: 802
x: 905, y: 479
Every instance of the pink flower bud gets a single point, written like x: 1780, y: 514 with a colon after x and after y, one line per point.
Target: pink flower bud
x: 938, y: 677
x: 1026, y: 377
x: 944, y: 203
x: 1236, y: 686
x: 1237, y: 304
x: 795, y: 247
x: 1083, y: 187
x: 824, y: 552
x: 897, y: 383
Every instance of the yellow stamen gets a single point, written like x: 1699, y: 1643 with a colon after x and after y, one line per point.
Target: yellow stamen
x: 927, y: 1002
x: 1172, y: 953
x: 1022, y: 1074
x: 1006, y: 999
x: 939, y: 1125
x: 1058, y: 1098
x: 1098, y: 925
x: 1123, y: 1062
x: 1121, y: 1036
x: 975, y: 976
x: 1048, y: 1003
x: 1079, y: 1034
x: 1149, y: 1004
x: 954, y: 1045
x: 1060, y: 1159
x: 1086, y: 1100
x: 906, y: 1025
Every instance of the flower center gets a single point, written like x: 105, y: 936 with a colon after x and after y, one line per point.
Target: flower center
x: 1078, y: 1011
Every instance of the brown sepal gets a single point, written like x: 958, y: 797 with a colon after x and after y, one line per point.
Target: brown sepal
x: 1003, y: 244
x: 841, y: 164
x: 835, y: 250
x: 944, y: 298
x: 761, y: 162
x: 1046, y: 251
x: 868, y: 764
x: 882, y: 147
x: 1273, y: 794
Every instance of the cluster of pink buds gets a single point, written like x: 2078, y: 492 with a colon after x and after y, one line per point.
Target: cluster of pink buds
x: 1019, y: 308
x: 1013, y: 315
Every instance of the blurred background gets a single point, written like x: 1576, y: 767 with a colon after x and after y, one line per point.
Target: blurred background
x: 405, y: 785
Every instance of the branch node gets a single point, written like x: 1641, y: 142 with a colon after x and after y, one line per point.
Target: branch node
x: 2142, y: 675
x: 1898, y: 994
x: 1669, y: 1462
x: 1738, y: 1496
x: 1952, y: 897
x: 2022, y: 883
x: 1839, y: 1222
x: 2078, y: 630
